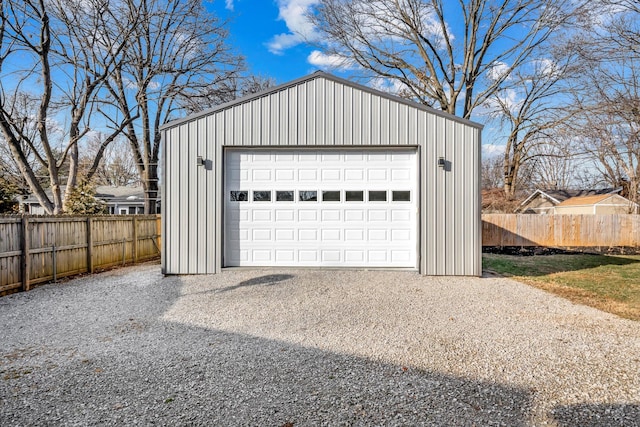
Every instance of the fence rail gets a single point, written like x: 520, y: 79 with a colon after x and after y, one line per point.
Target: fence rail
x: 37, y: 249
x: 561, y: 231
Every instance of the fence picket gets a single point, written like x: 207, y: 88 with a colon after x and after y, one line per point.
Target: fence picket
x: 82, y: 244
x: 561, y: 231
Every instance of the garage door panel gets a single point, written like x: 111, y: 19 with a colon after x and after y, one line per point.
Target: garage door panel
x: 307, y: 215
x: 285, y: 215
x: 331, y: 256
x: 308, y: 175
x: 330, y: 215
x: 263, y: 255
x: 378, y: 257
x: 320, y: 208
x: 331, y: 235
x: 354, y: 175
x: 331, y: 175
x: 352, y: 215
x: 308, y: 157
x: 285, y: 175
x: 377, y: 215
x: 285, y: 235
x: 287, y: 255
x: 308, y: 234
x: 307, y: 256
x: 354, y: 256
x: 377, y: 174
x: 261, y: 215
x: 261, y: 234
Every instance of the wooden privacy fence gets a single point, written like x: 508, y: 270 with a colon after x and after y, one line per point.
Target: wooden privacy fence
x: 36, y: 249
x: 561, y: 231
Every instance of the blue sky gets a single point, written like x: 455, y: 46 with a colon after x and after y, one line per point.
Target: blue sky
x: 267, y: 33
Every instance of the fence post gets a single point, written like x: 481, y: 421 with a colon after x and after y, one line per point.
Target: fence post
x: 135, y: 239
x: 26, y: 256
x: 55, y: 263
x: 90, y: 245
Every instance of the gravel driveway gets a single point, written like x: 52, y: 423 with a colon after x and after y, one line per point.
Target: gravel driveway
x: 310, y: 347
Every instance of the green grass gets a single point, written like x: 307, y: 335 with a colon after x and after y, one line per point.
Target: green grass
x: 607, y: 282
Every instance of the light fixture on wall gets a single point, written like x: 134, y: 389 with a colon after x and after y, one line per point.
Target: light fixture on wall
x: 200, y: 161
x: 441, y: 162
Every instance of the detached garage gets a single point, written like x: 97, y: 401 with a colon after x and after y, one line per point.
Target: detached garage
x: 322, y: 172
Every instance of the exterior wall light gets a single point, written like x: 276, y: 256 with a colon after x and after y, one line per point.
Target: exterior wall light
x: 200, y: 161
x: 441, y: 162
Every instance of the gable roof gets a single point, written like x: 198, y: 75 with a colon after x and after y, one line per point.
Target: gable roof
x: 592, y: 200
x: 316, y: 75
x: 562, y: 195
x: 558, y: 196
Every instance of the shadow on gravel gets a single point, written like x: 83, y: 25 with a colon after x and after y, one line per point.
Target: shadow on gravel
x: 268, y: 280
x: 105, y: 355
x: 154, y: 371
x: 587, y: 415
x: 191, y: 376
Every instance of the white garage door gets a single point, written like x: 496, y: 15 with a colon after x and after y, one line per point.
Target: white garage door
x: 321, y: 208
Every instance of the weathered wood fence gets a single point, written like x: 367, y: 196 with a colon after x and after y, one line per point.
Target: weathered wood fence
x: 561, y: 231
x: 36, y: 249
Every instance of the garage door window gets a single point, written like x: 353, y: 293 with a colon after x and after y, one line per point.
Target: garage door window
x: 354, y: 196
x: 330, y: 196
x: 401, y: 196
x: 377, y: 196
x: 239, y: 196
x: 284, y: 196
x: 308, y: 196
x: 262, y: 196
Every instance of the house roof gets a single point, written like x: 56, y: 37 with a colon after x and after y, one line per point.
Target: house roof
x: 558, y: 196
x: 585, y: 200
x: 592, y: 200
x: 120, y: 194
x: 315, y: 75
x: 105, y: 192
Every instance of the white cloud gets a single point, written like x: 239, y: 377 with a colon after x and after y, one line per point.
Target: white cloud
x: 497, y: 70
x: 228, y: 4
x: 546, y: 67
x: 391, y: 86
x: 323, y: 61
x: 294, y: 13
x: 507, y: 98
x: 490, y: 150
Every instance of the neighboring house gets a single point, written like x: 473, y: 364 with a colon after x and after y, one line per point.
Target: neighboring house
x: 600, y: 204
x: 322, y: 172
x: 119, y: 200
x: 544, y: 201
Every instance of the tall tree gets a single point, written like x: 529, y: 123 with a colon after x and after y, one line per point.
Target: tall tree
x: 177, y: 59
x: 52, y: 56
x: 117, y: 166
x: 532, y: 105
x: 608, y: 110
x: 440, y: 52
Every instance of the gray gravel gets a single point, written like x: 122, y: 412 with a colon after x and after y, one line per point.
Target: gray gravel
x: 309, y: 347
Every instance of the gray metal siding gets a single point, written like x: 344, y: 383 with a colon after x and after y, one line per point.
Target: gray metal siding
x: 320, y: 113
x: 315, y: 113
